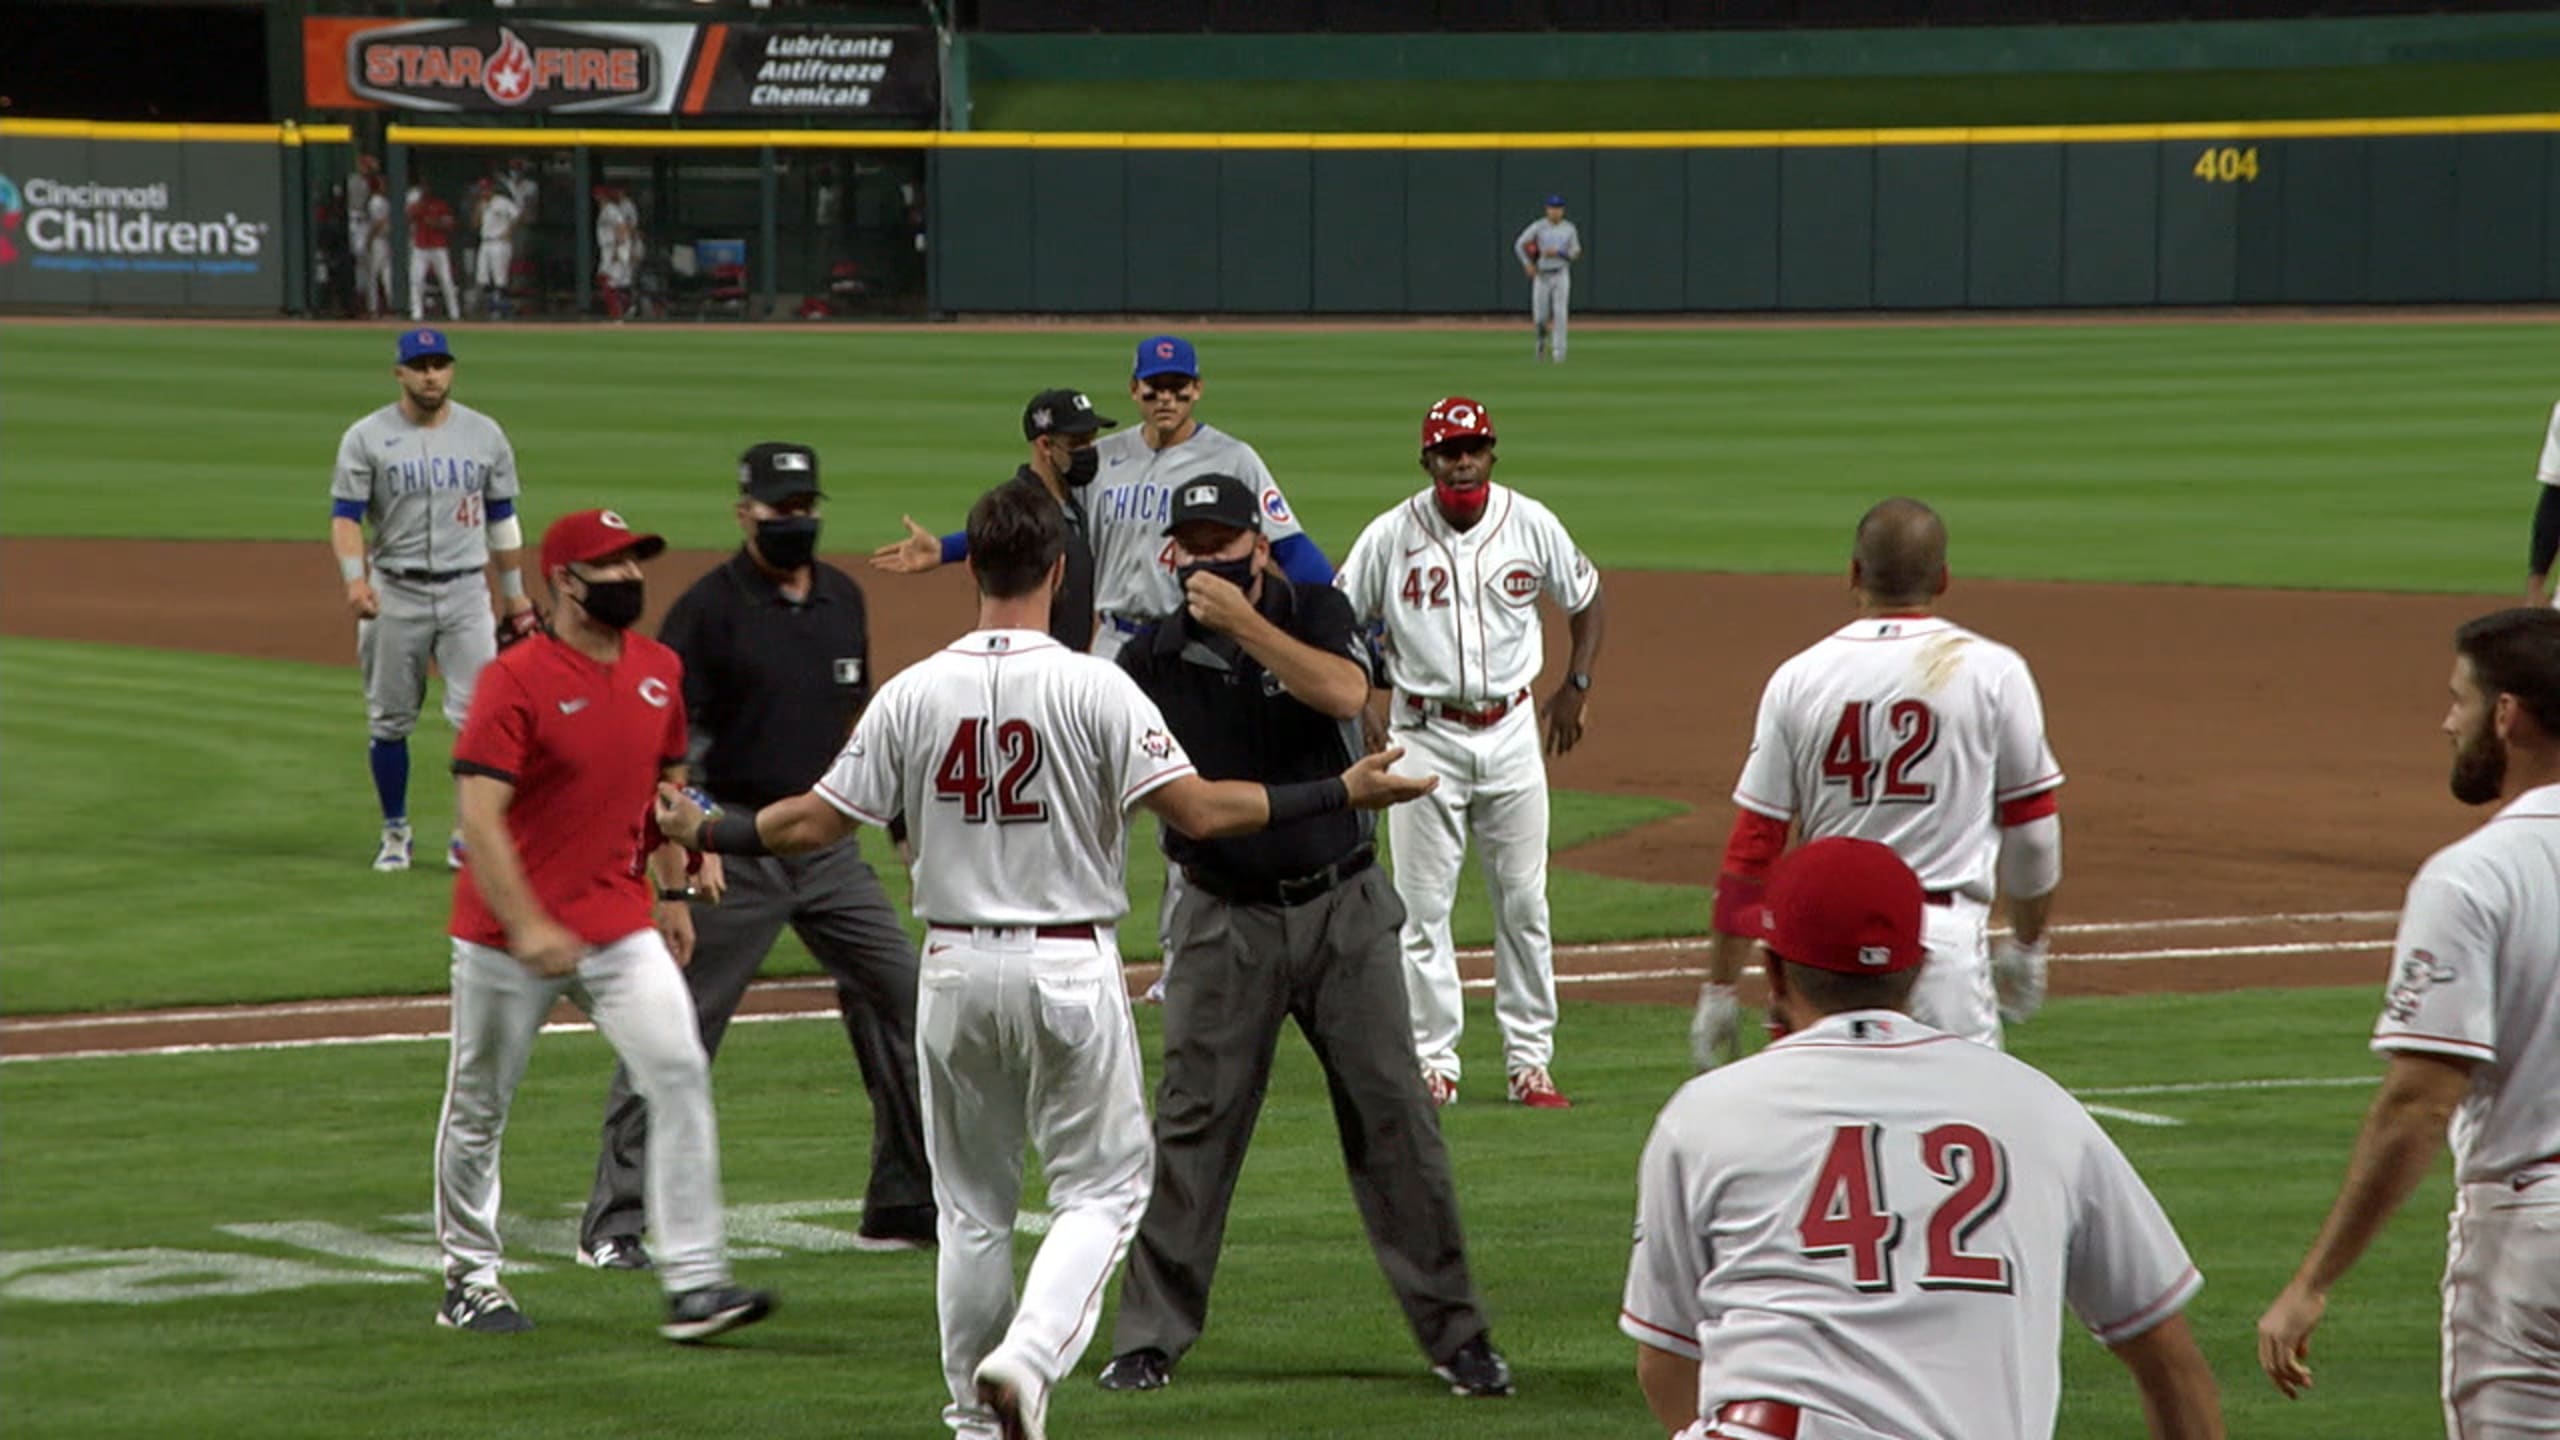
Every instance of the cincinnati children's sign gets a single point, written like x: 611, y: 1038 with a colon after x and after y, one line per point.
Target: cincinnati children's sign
x: 48, y: 222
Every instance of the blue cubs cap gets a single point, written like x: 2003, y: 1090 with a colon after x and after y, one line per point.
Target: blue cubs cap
x: 416, y: 345
x: 1165, y: 355
x: 1556, y: 200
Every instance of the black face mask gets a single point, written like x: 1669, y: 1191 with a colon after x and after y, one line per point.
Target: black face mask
x: 1238, y: 573
x: 1082, y: 466
x: 614, y: 604
x: 789, y: 542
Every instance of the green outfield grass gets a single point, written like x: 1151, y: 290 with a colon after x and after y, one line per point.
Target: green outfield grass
x: 2337, y: 455
x: 236, y: 868
x: 122, y: 1170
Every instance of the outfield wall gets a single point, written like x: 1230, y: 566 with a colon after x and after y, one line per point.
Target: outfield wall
x: 2340, y: 212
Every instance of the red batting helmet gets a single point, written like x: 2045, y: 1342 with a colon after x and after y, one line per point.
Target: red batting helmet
x: 1455, y: 418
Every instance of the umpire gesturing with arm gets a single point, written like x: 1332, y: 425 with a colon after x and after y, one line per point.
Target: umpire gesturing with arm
x: 776, y: 650
x: 1262, y: 679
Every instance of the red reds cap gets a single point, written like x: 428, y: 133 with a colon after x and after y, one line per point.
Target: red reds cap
x: 584, y: 535
x: 1849, y: 906
x: 1455, y: 418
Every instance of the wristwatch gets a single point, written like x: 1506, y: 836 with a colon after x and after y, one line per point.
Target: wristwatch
x: 675, y: 895
x: 1579, y: 679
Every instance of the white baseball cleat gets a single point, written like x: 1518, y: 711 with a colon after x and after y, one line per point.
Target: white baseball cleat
x: 1020, y: 1401
x: 394, y: 854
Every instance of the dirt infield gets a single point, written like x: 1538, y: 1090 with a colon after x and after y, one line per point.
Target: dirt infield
x: 2253, y: 774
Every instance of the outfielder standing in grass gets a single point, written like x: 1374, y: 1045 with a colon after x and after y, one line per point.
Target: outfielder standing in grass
x: 2471, y: 1024
x: 1547, y: 250
x: 437, y: 481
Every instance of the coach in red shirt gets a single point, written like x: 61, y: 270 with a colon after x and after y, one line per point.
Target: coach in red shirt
x: 568, y: 736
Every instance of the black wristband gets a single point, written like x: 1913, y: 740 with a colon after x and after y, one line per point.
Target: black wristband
x: 733, y: 832
x: 674, y: 896
x: 1306, y: 799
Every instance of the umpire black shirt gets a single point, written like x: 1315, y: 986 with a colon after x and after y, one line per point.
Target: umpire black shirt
x: 772, y: 683
x: 1238, y: 724
x: 1071, y: 613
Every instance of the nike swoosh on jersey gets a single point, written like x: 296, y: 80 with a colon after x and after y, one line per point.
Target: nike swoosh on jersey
x: 572, y: 707
x: 2523, y: 1183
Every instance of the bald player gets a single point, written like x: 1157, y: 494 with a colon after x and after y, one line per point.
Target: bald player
x: 1904, y: 728
x: 1016, y: 762
x: 1868, y: 1231
x: 2471, y: 1027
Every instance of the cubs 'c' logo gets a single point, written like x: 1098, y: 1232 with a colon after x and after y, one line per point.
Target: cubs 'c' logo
x: 1274, y: 506
x: 654, y: 690
x: 1519, y: 584
x: 1164, y: 349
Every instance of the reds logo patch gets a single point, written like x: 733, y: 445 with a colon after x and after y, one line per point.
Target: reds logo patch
x: 1157, y: 745
x: 654, y: 690
x: 1519, y: 583
x: 1276, y: 507
x: 2418, y: 973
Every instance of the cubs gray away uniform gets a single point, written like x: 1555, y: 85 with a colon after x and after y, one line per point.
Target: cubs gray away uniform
x: 1551, y: 290
x: 1128, y: 506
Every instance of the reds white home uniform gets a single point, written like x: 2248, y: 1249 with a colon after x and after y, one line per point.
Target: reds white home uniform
x: 1463, y: 643
x: 1015, y: 761
x: 1129, y: 504
x: 498, y: 216
x: 2477, y: 977
x: 1880, y: 1225
x: 373, y: 257
x: 618, y: 242
x: 1916, y: 733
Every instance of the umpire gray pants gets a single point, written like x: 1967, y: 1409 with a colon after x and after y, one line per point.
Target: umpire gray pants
x: 834, y: 902
x: 1333, y: 966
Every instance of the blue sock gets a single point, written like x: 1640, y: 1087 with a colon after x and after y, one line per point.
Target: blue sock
x: 391, y: 777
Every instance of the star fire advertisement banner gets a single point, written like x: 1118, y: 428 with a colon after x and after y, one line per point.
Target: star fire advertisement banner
x: 535, y: 67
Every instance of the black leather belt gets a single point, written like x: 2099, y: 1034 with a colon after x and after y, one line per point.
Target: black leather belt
x: 1294, y: 890
x: 432, y: 577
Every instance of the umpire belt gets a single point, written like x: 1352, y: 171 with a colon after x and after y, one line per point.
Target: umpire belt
x: 1293, y: 890
x: 431, y: 577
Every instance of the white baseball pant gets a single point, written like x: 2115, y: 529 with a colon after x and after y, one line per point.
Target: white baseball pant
x: 1493, y: 785
x: 1954, y: 991
x: 373, y: 276
x: 2502, y: 1309
x: 448, y: 621
x: 1550, y: 303
x: 437, y: 262
x: 1023, y: 1036
x: 633, y: 991
x: 1108, y: 640
x: 489, y: 269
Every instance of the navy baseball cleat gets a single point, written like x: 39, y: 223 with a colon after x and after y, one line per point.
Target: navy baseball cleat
x: 615, y: 1252
x: 698, y: 1315
x: 488, y: 1309
x: 1477, y: 1370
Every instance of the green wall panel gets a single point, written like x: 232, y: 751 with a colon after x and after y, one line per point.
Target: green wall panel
x: 1643, y: 255
x: 1076, y: 260
x: 2409, y: 254
x: 2324, y: 191
x: 1364, y: 190
x: 2110, y: 224
x: 2199, y: 231
x: 1733, y: 230
x: 981, y: 246
x: 2013, y: 250
x: 2258, y: 228
x: 1269, y: 229
x: 1454, y: 233
x: 1919, y: 227
x: 1169, y: 260
x: 2498, y: 236
x: 1523, y: 181
x: 1826, y: 228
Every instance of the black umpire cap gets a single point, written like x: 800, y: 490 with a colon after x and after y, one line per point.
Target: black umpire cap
x: 1062, y: 412
x: 1215, y: 500
x: 778, y: 470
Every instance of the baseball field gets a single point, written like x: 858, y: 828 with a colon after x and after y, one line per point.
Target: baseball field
x: 2234, y: 551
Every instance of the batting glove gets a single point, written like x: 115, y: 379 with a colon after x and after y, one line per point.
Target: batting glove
x: 1715, y: 1031
x: 2017, y: 977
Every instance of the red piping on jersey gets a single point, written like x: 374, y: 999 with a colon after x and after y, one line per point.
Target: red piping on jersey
x: 2169, y: 1300
x: 2027, y: 809
x: 1157, y: 781
x: 2036, y: 786
x: 2487, y: 1052
x: 1690, y: 1341
x: 848, y: 807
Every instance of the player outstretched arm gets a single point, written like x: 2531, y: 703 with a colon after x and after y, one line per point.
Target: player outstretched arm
x: 793, y: 826
x: 1209, y: 809
x: 920, y: 551
x: 2179, y: 1400
x: 2401, y: 1135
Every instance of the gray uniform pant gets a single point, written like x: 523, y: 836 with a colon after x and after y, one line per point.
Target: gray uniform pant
x: 1550, y: 304
x: 1332, y: 965
x: 447, y: 621
x: 836, y: 904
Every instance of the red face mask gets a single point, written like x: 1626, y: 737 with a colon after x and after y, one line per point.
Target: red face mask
x: 1462, y: 507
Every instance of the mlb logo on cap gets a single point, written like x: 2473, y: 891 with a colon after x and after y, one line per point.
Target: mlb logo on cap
x: 421, y: 344
x: 1201, y: 495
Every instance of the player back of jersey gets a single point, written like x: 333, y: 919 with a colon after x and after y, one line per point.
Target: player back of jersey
x: 1895, y: 1220
x: 2476, y: 975
x: 1910, y: 732
x: 1131, y: 501
x: 1015, y: 761
x: 426, y: 488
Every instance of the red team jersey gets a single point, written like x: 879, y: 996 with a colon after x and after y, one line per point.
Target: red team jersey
x: 583, y: 743
x: 431, y: 224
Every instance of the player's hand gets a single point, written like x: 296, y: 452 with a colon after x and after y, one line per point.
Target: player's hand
x: 2284, y: 1337
x: 919, y: 552
x: 361, y: 601
x: 1216, y: 603
x: 679, y: 819
x: 1715, y: 1028
x: 2018, y: 977
x: 1374, y: 787
x: 1373, y: 726
x: 710, y: 879
x: 674, y: 919
x: 519, y: 625
x: 546, y: 947
x: 1564, y: 718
